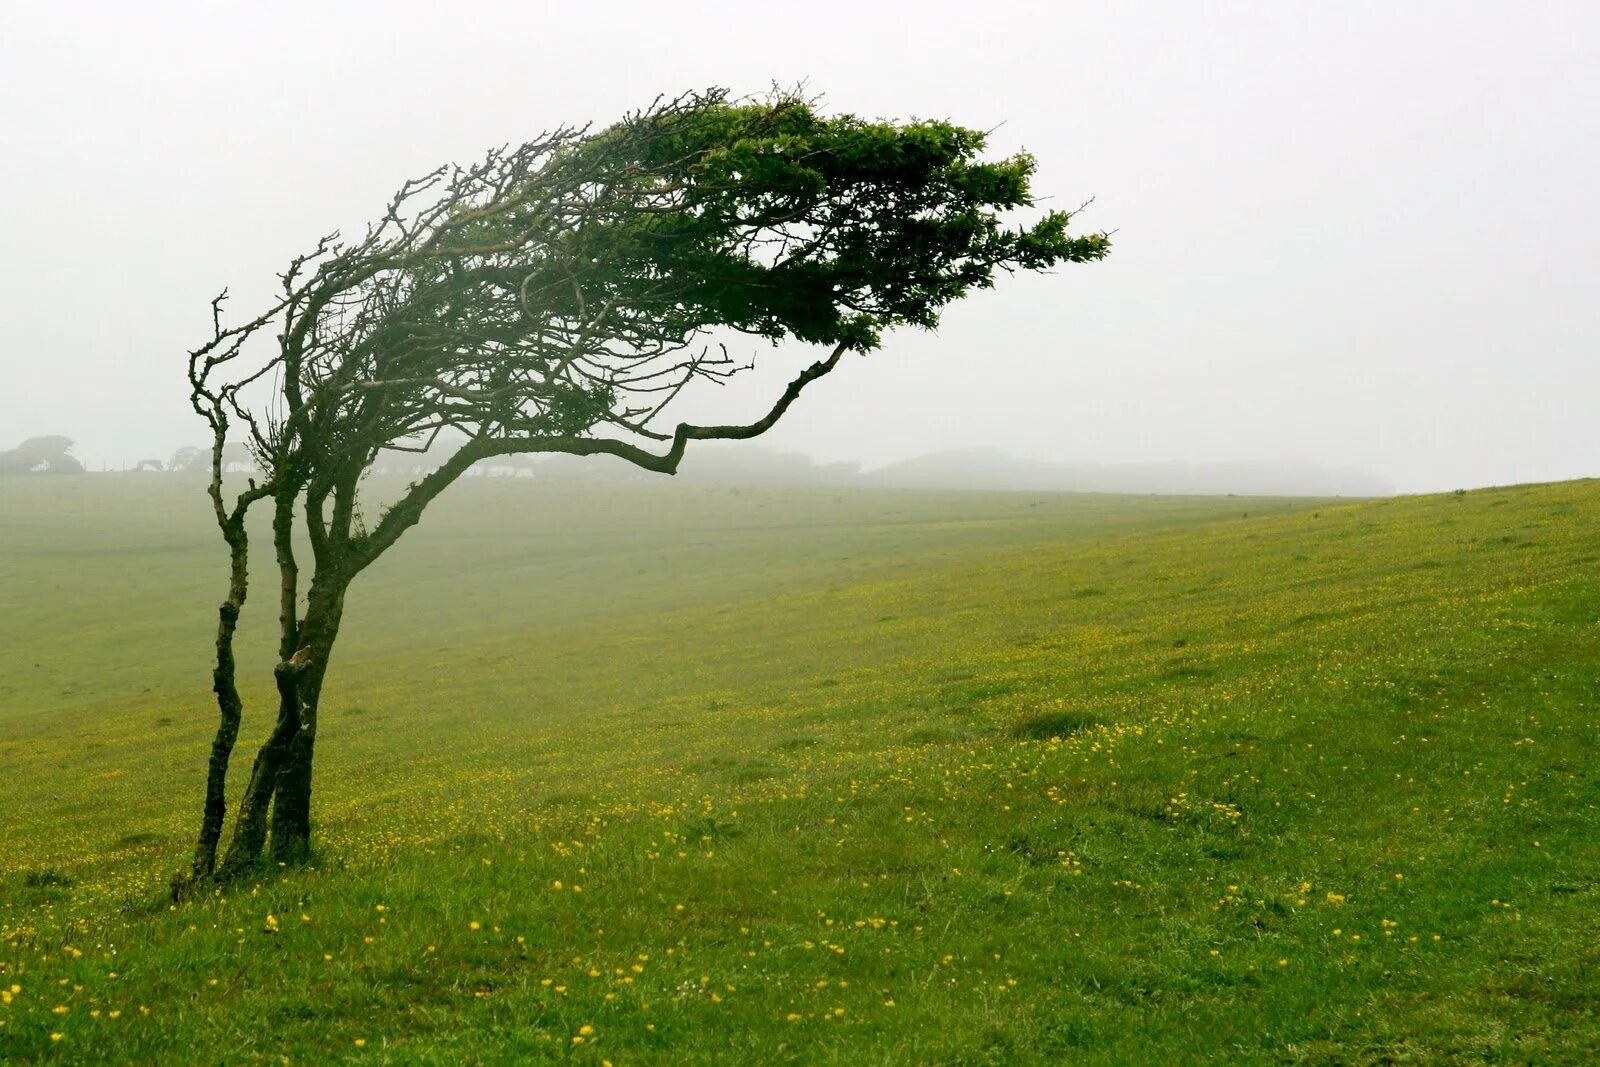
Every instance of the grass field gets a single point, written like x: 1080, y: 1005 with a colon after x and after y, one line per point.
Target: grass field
x: 673, y: 774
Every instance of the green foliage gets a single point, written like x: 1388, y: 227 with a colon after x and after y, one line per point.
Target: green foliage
x: 825, y: 228
x: 574, y: 407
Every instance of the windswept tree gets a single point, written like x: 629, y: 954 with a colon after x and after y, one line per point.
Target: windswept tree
x: 558, y: 297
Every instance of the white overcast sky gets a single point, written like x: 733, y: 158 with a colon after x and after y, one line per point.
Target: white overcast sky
x: 1361, y: 234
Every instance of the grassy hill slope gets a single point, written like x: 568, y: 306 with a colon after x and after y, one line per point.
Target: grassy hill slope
x: 683, y: 776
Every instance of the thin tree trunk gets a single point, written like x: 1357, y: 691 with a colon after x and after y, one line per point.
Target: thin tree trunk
x: 288, y: 576
x: 230, y: 708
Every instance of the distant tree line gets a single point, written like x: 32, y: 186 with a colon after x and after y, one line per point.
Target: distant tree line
x: 197, y: 460
x: 50, y: 454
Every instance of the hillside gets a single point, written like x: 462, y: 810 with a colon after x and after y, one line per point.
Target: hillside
x: 673, y: 775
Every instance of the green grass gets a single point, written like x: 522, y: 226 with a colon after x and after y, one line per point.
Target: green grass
x: 805, y: 776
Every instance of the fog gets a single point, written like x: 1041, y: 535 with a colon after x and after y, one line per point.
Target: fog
x: 1355, y: 237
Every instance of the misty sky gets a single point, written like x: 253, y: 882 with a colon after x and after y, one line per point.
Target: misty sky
x: 1353, y: 234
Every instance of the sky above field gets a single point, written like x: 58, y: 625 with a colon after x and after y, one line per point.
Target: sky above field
x: 1357, y: 234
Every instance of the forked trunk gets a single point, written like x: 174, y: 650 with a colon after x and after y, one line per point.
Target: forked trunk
x: 230, y: 707
x: 277, y: 802
x: 250, y: 825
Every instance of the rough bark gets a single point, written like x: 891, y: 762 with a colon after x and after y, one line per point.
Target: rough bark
x: 230, y: 709
x: 291, y: 804
x: 275, y: 809
x: 288, y: 575
x: 290, y: 628
x: 291, y: 800
x: 250, y: 825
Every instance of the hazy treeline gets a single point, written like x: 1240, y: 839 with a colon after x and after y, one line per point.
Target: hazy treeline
x: 50, y: 454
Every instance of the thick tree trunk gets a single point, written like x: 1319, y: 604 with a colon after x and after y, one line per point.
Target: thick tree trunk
x: 291, y: 802
x: 291, y: 805
x: 291, y: 788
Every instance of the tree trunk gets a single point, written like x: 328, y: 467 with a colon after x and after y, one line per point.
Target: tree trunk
x: 291, y: 801
x: 291, y: 791
x: 250, y: 825
x: 277, y: 800
x: 230, y: 707
x: 291, y: 805
x: 229, y: 711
